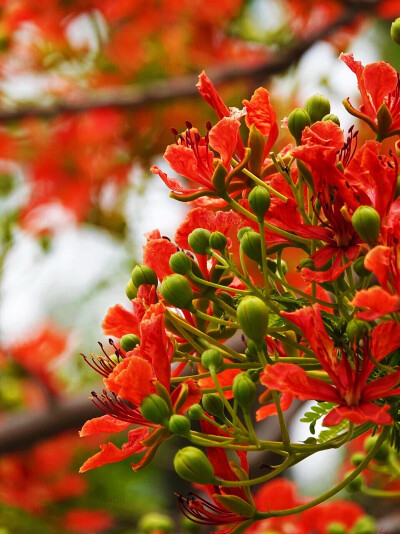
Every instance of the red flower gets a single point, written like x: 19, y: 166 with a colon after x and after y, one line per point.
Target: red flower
x: 350, y: 389
x: 263, y: 116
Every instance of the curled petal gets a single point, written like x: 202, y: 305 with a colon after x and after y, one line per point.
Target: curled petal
x: 378, y: 302
x: 104, y: 424
x: 131, y: 380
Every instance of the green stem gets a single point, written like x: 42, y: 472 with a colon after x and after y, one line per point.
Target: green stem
x: 260, y: 182
x: 282, y: 422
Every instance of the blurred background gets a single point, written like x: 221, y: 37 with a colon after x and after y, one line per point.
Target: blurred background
x: 89, y: 90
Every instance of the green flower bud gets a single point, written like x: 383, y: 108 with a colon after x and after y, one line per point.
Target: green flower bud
x: 155, y: 409
x: 213, y: 404
x: 356, y: 330
x: 142, y: 274
x: 251, y: 351
x: 356, y: 484
x: 177, y: 291
x: 252, y: 314
x: 395, y: 31
x: 359, y: 268
x: 180, y: 263
x: 332, y: 117
x: 244, y: 390
x: 193, y: 465
x: 297, y: 121
x: 397, y: 193
x: 129, y: 342
x: 155, y: 522
x: 195, y: 412
x: 336, y: 528
x: 131, y: 290
x: 218, y: 241
x: 357, y: 458
x: 365, y: 525
x: 179, y: 425
x: 212, y: 359
x: 307, y: 262
x: 382, y: 453
x: 242, y: 231
x: 251, y: 246
x: 199, y: 241
x: 367, y: 223
x: 317, y: 106
x: 226, y: 297
x: 256, y: 143
x: 259, y: 200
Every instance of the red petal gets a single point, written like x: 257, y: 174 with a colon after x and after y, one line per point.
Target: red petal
x: 223, y: 139
x: 106, y: 423
x: 131, y: 380
x: 380, y: 79
x: 381, y: 387
x: 211, y: 96
x: 156, y: 254
x: 359, y: 414
x: 119, y: 322
x: 270, y: 409
x: 385, y: 339
x: 377, y: 300
x: 260, y: 112
x: 378, y: 261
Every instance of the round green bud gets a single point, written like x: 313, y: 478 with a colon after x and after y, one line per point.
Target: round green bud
x: 180, y: 425
x: 193, y: 465
x: 155, y: 409
x: 218, y: 241
x: 199, y: 241
x: 336, y: 528
x: 365, y: 525
x: 382, y: 453
x: 357, y: 458
x: 252, y: 314
x: 213, y: 404
x: 251, y: 246
x: 356, y: 329
x: 251, y: 351
x: 317, y: 106
x: 395, y: 31
x: 367, y: 223
x: 397, y: 192
x: 156, y: 522
x: 242, y: 231
x: 307, y: 262
x: 297, y: 121
x: 244, y: 390
x: 131, y: 290
x: 359, y: 268
x: 195, y: 412
x: 259, y: 200
x: 356, y: 484
x: 177, y: 291
x: 142, y: 274
x: 331, y: 117
x: 180, y: 263
x: 212, y: 359
x: 129, y: 342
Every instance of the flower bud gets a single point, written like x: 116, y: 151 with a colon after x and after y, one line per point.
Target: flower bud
x: 252, y: 314
x: 131, y: 290
x: 256, y: 143
x: 219, y: 178
x: 180, y: 263
x: 193, y: 465
x: 142, y: 274
x: 397, y: 193
x: 242, y: 231
x: 317, y: 106
x: 367, y: 223
x: 259, y: 200
x: 365, y: 525
x: 297, y: 121
x: 356, y: 484
x: 359, y: 268
x: 199, y: 241
x: 154, y: 409
x: 179, y: 425
x: 195, y: 412
x: 331, y: 117
x: 129, y: 342
x: 382, y: 453
x: 212, y: 359
x: 218, y: 241
x: 357, y: 458
x: 244, y: 390
x: 213, y: 404
x: 251, y: 245
x: 177, y: 291
x: 395, y: 31
x: 155, y: 522
x: 336, y: 528
x: 356, y: 330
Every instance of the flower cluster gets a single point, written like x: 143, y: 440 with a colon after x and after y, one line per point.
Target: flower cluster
x: 175, y: 367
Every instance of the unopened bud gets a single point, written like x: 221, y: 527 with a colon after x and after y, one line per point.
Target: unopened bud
x: 199, y: 241
x: 131, y: 290
x: 356, y: 329
x: 252, y: 314
x: 395, y: 31
x: 218, y: 241
x: 244, y: 390
x: 155, y: 409
x: 357, y: 458
x: 317, y: 106
x: 177, y: 291
x: 155, y: 522
x: 331, y: 117
x: 251, y: 245
x: 297, y: 121
x: 356, y: 484
x: 213, y: 404
x: 193, y: 465
x: 359, y: 268
x: 367, y: 223
x: 382, y: 453
x: 259, y: 200
x: 212, y: 359
x: 365, y: 525
x: 180, y: 263
x: 179, y: 425
x: 129, y: 342
x: 336, y: 528
x: 243, y: 230
x: 195, y: 412
x: 142, y: 274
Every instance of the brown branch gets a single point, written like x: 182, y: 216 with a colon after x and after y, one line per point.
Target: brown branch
x: 184, y: 86
x: 24, y: 430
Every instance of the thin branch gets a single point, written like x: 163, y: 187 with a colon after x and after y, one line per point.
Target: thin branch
x: 184, y: 86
